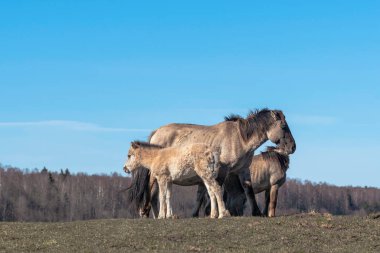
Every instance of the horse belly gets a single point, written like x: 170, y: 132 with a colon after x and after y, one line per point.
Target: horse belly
x: 261, y: 185
x: 188, y: 181
x: 183, y: 174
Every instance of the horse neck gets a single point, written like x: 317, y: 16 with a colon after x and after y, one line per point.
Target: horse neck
x: 258, y: 136
x: 147, y: 155
x: 255, y: 141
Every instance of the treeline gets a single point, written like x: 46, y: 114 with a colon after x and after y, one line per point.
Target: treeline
x: 296, y: 196
x: 47, y: 196
x: 50, y: 196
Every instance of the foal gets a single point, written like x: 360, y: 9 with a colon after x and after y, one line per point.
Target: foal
x: 170, y: 164
x: 267, y: 173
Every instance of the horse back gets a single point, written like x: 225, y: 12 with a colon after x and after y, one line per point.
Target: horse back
x: 267, y: 169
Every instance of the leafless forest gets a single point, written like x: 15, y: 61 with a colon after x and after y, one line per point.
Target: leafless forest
x: 40, y: 195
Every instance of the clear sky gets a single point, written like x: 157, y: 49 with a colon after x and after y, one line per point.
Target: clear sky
x: 80, y: 79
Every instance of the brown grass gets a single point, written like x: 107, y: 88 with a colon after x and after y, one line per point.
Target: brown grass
x: 311, y: 232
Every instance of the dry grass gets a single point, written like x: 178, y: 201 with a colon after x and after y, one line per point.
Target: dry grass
x: 311, y: 232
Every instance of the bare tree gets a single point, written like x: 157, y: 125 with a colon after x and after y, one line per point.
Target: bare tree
x: 49, y: 196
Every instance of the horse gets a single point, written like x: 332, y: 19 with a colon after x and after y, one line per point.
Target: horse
x: 236, y: 137
x: 171, y: 164
x: 267, y: 173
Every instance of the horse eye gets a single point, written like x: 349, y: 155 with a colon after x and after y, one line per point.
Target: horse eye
x: 129, y: 156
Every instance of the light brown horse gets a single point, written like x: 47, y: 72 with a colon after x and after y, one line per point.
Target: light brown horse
x: 267, y: 173
x: 168, y: 165
x: 236, y: 137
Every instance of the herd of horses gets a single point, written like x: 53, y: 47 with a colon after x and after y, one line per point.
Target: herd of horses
x: 219, y: 159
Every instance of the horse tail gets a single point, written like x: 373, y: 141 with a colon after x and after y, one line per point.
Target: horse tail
x: 138, y: 192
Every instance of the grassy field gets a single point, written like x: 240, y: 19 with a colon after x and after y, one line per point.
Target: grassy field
x: 300, y: 233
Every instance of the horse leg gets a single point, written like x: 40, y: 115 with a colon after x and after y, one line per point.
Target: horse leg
x: 207, y: 205
x: 206, y: 173
x: 162, y: 184
x: 169, y: 210
x: 200, y: 199
x: 154, y: 200
x: 255, y: 210
x: 273, y: 200
x: 214, y: 211
x: 215, y: 192
x: 245, y: 180
x: 267, y: 200
x: 223, y: 212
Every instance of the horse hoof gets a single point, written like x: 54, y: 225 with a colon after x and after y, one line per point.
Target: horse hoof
x: 225, y: 214
x: 214, y: 214
x: 144, y: 215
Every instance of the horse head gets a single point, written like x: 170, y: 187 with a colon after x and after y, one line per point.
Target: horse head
x: 133, y: 161
x: 280, y: 134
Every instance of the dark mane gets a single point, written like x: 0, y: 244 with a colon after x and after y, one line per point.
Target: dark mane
x: 256, y: 121
x: 233, y: 117
x: 145, y: 144
x: 271, y: 155
x: 256, y: 112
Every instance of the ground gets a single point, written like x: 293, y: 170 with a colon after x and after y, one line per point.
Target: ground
x: 297, y: 233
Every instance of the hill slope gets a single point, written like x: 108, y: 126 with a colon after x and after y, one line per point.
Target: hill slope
x: 306, y: 232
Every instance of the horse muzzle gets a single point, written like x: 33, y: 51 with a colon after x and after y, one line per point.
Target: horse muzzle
x: 126, y: 170
x: 287, y: 147
x: 294, y: 148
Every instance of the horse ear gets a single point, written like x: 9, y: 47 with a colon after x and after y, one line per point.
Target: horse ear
x: 273, y: 114
x: 134, y: 144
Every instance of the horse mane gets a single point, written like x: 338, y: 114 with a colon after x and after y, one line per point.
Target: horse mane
x: 145, y: 144
x: 233, y: 117
x: 256, y: 121
x: 271, y: 155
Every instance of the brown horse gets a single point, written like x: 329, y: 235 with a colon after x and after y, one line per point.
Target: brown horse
x: 267, y: 173
x: 236, y: 138
x: 168, y: 165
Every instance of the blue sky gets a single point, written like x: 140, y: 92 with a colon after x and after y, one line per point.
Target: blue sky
x: 80, y: 79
